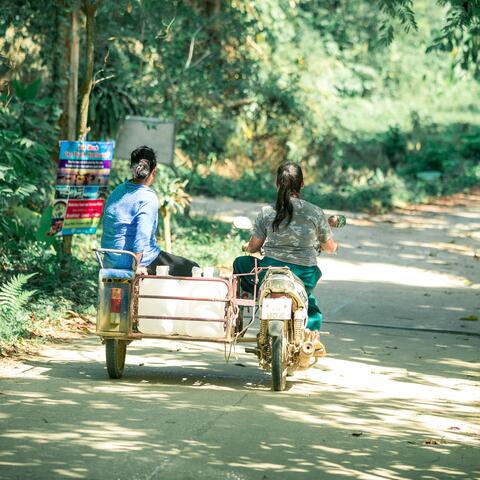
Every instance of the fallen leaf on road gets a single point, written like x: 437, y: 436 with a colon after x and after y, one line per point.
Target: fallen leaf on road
x: 433, y: 441
x: 470, y: 318
x: 454, y: 428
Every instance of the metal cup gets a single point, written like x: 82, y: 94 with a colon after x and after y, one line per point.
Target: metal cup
x: 209, y: 272
x: 196, y: 271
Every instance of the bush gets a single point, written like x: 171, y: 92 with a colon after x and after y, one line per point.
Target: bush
x: 254, y: 186
x: 371, y: 173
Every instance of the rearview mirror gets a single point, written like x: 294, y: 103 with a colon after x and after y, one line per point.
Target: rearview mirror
x: 337, y: 221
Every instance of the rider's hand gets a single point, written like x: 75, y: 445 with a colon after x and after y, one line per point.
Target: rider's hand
x: 141, y: 271
x: 330, y: 246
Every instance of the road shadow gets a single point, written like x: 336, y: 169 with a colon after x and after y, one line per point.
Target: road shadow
x: 184, y: 414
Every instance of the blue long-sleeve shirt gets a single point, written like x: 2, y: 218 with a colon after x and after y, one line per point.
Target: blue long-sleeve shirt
x: 129, y: 223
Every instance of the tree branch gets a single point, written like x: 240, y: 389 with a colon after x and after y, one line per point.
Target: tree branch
x: 192, y: 47
x: 90, y: 10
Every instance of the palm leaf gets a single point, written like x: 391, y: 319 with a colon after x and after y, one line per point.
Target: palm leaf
x: 13, y: 296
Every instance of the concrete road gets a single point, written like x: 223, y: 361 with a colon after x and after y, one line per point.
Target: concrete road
x: 397, y: 397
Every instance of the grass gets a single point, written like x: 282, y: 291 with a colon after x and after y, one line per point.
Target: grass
x: 208, y: 242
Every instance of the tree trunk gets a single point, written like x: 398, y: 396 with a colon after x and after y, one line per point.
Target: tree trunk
x: 69, y: 125
x: 90, y: 10
x: 59, y: 60
x: 213, y: 7
x: 167, y: 229
x: 65, y: 75
x: 72, y: 97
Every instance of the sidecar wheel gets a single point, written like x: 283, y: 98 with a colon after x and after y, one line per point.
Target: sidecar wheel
x: 279, y: 363
x: 115, y: 353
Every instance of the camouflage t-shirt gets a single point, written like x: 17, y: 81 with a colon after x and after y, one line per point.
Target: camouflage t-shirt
x: 297, y: 242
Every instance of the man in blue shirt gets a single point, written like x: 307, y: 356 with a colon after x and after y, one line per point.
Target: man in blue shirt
x: 130, y: 221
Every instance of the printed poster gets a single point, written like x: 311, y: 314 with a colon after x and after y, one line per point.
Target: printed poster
x: 80, y: 188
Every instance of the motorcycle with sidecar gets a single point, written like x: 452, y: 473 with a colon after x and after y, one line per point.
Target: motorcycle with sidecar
x: 209, y: 309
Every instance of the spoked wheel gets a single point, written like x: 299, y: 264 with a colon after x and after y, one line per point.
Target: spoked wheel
x: 115, y: 351
x: 279, y: 363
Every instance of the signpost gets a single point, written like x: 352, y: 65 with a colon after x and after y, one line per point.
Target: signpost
x: 82, y: 179
x: 154, y: 132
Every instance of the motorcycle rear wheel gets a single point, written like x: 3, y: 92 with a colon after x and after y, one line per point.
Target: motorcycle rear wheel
x: 279, y: 363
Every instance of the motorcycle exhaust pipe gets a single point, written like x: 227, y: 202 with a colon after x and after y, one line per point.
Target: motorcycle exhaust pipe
x: 305, y: 356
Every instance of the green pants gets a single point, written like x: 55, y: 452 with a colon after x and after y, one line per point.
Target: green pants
x: 309, y: 276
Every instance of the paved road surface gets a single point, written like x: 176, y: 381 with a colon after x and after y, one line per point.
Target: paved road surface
x: 397, y: 398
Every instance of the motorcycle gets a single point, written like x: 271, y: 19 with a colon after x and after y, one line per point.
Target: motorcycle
x: 284, y: 344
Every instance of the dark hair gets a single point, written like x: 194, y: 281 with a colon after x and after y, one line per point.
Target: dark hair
x: 142, y: 162
x: 289, y: 181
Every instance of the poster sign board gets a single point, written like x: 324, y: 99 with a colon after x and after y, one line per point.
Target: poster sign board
x: 80, y: 188
x: 153, y: 132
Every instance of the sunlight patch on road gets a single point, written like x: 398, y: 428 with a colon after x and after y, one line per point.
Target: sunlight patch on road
x: 342, y: 270
x: 73, y: 473
x: 455, y: 248
x: 391, y: 382
x: 384, y: 401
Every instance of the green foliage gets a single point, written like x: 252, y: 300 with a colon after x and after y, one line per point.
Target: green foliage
x: 370, y: 191
x: 255, y: 186
x: 171, y: 191
x: 110, y: 103
x: 461, y: 32
x: 56, y: 292
x: 27, y: 92
x: 25, y: 166
x: 401, y: 10
x: 14, y: 315
x: 375, y: 173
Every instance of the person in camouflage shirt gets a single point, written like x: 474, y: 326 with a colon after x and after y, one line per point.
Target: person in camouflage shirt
x: 291, y: 234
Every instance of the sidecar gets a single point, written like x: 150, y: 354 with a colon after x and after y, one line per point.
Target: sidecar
x: 132, y: 307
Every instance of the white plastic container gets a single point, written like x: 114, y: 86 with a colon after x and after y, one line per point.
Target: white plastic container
x: 210, y: 310
x: 169, y: 287
x: 158, y: 307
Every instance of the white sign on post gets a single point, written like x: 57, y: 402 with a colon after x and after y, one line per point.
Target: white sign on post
x: 152, y: 132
